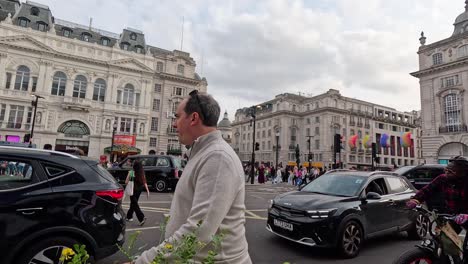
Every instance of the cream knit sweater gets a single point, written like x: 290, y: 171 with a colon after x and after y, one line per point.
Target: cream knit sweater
x: 211, y: 189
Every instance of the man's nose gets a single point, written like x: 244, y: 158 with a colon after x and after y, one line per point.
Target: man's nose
x: 174, y: 124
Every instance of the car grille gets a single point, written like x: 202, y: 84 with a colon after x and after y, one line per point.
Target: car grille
x: 289, y: 211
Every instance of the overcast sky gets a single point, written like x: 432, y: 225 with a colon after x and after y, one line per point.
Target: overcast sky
x: 250, y: 51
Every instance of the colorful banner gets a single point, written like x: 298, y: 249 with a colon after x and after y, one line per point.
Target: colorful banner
x: 385, y: 141
x: 352, y: 141
x: 129, y: 140
x: 367, y: 141
x: 405, y: 139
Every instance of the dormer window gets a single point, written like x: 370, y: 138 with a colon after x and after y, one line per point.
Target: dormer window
x: 34, y: 11
x: 133, y: 36
x: 105, y: 41
x: 23, y: 22
x: 86, y: 37
x: 66, y: 32
x: 41, y: 26
x: 125, y: 46
x: 139, y: 49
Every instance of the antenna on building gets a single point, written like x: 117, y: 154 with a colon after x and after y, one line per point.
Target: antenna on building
x: 90, y: 23
x: 182, y: 35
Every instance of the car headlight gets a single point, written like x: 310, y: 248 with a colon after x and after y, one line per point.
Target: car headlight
x: 321, y: 213
x: 272, y: 202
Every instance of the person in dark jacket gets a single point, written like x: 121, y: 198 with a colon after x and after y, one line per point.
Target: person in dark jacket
x: 137, y: 175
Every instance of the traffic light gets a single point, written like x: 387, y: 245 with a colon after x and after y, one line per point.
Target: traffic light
x: 374, y: 150
x: 26, y: 138
x: 310, y: 156
x: 337, y: 143
x: 257, y: 146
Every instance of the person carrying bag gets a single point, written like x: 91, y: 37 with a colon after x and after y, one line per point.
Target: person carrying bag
x: 137, y: 179
x: 130, y: 183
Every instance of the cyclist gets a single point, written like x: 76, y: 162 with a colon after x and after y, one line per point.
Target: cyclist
x: 454, y: 185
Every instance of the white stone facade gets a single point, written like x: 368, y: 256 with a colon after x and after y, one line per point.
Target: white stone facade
x: 443, y: 78
x: 320, y: 117
x: 136, y: 79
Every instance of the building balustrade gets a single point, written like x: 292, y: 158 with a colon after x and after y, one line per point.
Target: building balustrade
x: 453, y: 129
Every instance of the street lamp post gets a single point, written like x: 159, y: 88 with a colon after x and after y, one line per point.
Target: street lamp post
x: 34, y: 103
x: 277, y: 148
x: 114, y: 128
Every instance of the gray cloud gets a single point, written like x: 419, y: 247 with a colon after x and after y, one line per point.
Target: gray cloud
x: 253, y: 50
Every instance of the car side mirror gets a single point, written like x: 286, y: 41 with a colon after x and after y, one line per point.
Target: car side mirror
x: 373, y: 196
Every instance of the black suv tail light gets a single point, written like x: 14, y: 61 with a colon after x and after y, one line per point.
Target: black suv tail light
x: 115, y: 194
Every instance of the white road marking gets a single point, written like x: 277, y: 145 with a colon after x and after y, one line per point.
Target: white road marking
x: 141, y: 228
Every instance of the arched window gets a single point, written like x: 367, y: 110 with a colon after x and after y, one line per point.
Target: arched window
x: 22, y: 78
x: 79, y: 86
x: 133, y: 36
x: 34, y: 11
x: 66, y: 32
x: 59, y: 83
x: 125, y: 45
x: 452, y: 112
x: 437, y: 58
x: 23, y: 22
x: 85, y: 36
x: 180, y: 69
x: 128, y: 94
x: 105, y: 41
x: 139, y: 49
x: 41, y: 26
x: 99, y: 90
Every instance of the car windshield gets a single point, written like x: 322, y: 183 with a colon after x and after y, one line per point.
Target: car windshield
x: 177, y: 163
x: 403, y: 170
x: 336, y: 184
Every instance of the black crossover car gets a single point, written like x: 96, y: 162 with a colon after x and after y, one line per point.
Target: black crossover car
x: 342, y: 209
x: 422, y: 175
x: 50, y: 201
x: 162, y: 172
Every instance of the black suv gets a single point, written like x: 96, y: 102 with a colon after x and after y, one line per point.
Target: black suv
x: 421, y: 176
x: 342, y: 209
x: 51, y: 200
x: 162, y: 172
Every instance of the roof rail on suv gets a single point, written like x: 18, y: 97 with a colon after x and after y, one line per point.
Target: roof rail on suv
x: 58, y: 153
x: 383, y: 173
x: 337, y: 170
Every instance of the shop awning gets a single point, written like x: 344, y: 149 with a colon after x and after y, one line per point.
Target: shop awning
x: 122, y: 149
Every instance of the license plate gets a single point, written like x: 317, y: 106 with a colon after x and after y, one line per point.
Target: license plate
x: 284, y: 225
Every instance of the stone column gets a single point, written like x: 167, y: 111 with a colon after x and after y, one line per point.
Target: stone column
x: 3, y: 60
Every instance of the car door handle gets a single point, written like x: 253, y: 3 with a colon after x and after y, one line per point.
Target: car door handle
x: 29, y: 211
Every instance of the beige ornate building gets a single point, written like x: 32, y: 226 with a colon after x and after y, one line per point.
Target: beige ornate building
x: 225, y: 127
x: 297, y: 118
x: 91, y: 81
x: 443, y: 76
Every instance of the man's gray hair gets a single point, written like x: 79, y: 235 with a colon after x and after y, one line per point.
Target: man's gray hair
x: 206, y: 106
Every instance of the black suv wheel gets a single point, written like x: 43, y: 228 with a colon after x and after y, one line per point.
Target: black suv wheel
x: 47, y: 250
x: 160, y: 185
x: 350, y: 239
x: 419, y: 228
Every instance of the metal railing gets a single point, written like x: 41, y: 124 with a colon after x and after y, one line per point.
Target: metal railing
x: 453, y: 129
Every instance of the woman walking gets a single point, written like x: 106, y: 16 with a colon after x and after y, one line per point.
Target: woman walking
x: 137, y: 175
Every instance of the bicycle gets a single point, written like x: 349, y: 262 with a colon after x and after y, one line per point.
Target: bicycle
x: 444, y: 246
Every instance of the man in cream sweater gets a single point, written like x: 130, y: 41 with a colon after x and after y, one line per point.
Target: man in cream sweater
x: 211, y: 189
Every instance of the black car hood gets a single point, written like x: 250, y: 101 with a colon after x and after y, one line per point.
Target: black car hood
x: 307, y: 201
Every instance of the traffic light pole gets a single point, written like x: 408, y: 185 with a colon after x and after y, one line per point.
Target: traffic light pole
x: 310, y: 154
x: 252, y: 169
x: 374, y: 154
